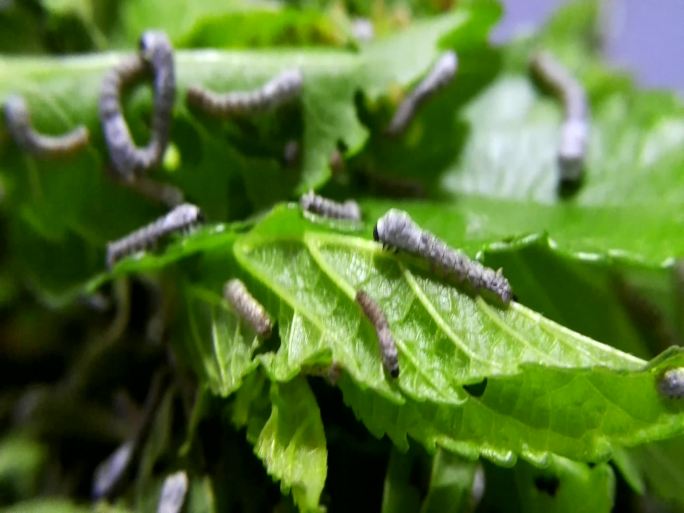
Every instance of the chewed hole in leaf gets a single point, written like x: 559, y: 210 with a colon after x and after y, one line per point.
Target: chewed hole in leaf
x: 476, y: 389
x: 269, y: 345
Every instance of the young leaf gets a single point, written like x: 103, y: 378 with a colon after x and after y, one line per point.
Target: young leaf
x: 292, y: 443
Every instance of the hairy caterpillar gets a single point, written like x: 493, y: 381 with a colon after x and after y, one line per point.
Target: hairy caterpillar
x: 397, y: 229
x: 173, y: 493
x: 439, y: 76
x: 156, y: 54
x: 388, y: 349
x: 328, y: 208
x: 281, y: 89
x: 19, y: 126
x: 248, y: 307
x: 572, y: 146
x: 671, y: 383
x: 182, y: 217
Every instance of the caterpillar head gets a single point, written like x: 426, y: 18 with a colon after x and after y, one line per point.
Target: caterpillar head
x: 152, y: 44
x: 16, y: 110
x: 395, y: 224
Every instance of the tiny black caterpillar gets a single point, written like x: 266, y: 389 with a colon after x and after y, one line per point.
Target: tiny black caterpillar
x: 388, y: 349
x: 19, y: 125
x: 397, y: 229
x: 173, y: 493
x: 328, y: 208
x: 156, y: 54
x: 281, y: 89
x: 248, y: 307
x: 439, y: 76
x: 671, y: 383
x: 182, y: 217
x: 572, y: 147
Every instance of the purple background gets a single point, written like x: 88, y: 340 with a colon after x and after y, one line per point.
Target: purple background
x: 641, y: 37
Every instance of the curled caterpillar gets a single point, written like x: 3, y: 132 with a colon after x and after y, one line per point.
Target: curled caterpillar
x: 671, y: 383
x: 183, y: 217
x: 173, y: 493
x: 439, y: 76
x: 281, y: 89
x: 248, y: 307
x: 18, y: 122
x: 328, y: 208
x: 572, y: 146
x: 388, y: 349
x: 398, y: 230
x: 128, y: 159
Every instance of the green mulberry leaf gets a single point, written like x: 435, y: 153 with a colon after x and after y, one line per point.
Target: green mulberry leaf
x: 292, y: 443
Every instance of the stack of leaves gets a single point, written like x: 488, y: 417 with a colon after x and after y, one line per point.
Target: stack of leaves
x: 550, y: 404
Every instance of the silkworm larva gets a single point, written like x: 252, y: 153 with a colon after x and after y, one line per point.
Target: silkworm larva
x: 109, y: 473
x: 19, y: 126
x: 362, y: 29
x: 248, y: 308
x: 397, y: 229
x: 388, y: 349
x: 439, y: 76
x: 574, y: 136
x: 182, y: 217
x: 328, y: 208
x: 671, y: 383
x: 129, y: 159
x: 283, y: 88
x: 173, y: 493
x: 156, y: 50
x: 477, y: 489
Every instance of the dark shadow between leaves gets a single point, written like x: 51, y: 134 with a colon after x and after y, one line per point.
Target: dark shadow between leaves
x: 547, y: 484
